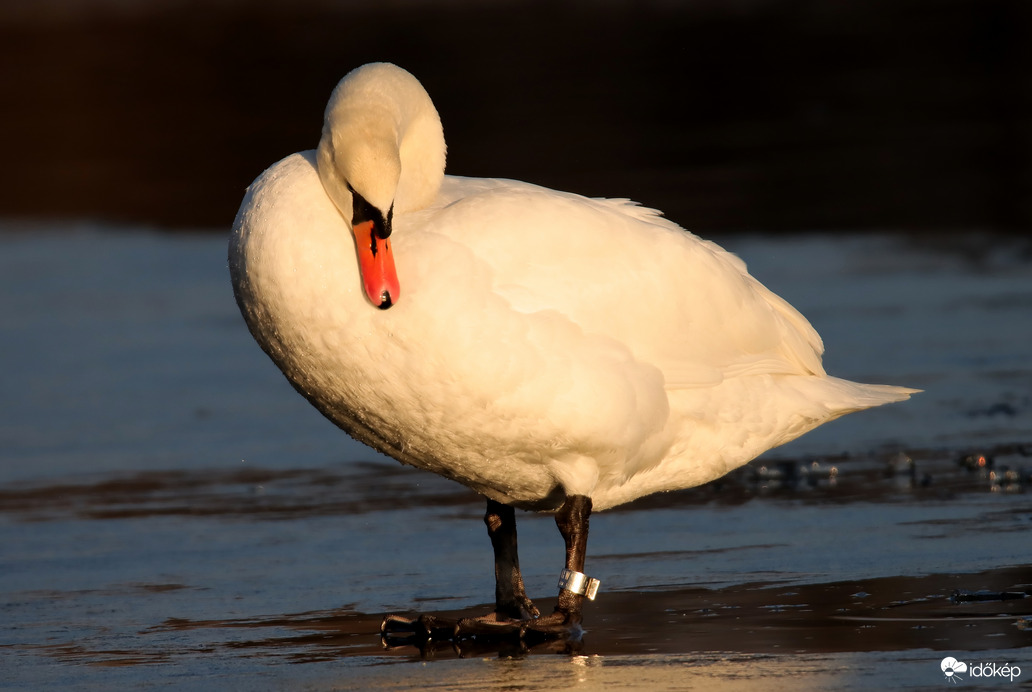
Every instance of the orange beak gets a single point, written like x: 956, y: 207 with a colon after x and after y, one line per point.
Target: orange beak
x: 376, y: 263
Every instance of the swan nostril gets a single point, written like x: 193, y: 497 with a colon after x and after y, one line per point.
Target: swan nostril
x: 385, y: 300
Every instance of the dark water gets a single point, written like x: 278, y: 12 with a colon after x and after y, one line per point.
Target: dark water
x: 174, y: 516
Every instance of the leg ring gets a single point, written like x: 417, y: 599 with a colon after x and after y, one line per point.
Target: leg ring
x: 579, y: 583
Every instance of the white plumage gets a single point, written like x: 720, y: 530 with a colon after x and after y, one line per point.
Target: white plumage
x: 542, y: 344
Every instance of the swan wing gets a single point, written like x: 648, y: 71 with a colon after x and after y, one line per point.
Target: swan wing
x: 620, y: 270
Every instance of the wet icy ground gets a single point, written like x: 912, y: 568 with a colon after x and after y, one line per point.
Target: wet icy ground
x: 174, y: 516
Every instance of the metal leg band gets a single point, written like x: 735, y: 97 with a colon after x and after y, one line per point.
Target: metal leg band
x: 579, y: 583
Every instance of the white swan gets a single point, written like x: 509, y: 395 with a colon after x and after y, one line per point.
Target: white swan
x: 551, y: 352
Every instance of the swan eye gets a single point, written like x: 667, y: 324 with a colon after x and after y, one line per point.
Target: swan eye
x: 362, y: 211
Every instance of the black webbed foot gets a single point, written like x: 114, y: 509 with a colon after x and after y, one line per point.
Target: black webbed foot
x: 478, y: 636
x: 424, y: 628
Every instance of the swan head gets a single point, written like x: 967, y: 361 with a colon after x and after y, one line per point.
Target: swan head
x: 382, y: 151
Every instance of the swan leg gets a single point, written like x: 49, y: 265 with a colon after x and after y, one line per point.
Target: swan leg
x: 572, y: 521
x: 515, y: 619
x: 511, y: 600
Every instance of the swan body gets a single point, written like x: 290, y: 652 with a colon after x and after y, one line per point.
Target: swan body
x: 539, y: 344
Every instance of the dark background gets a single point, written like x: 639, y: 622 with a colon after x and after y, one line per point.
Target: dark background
x: 729, y: 115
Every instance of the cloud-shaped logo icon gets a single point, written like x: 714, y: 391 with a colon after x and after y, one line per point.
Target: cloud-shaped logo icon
x: 951, y: 667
